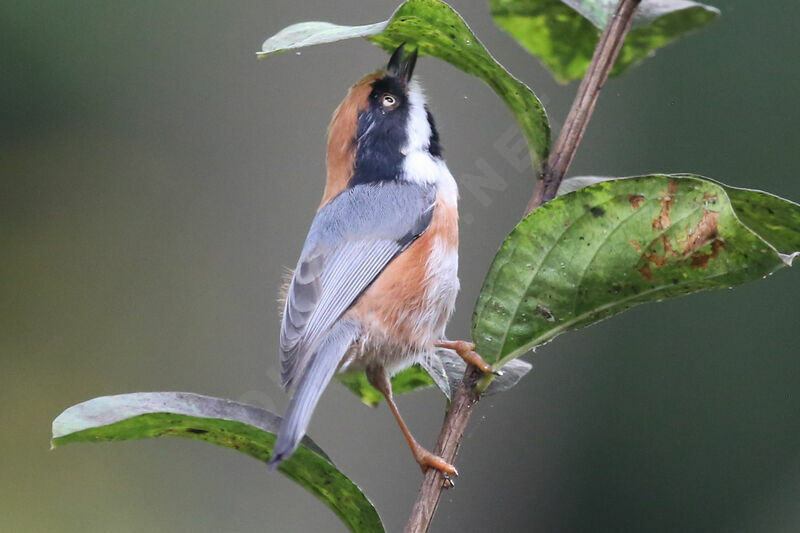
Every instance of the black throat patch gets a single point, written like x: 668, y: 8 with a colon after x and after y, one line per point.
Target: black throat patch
x: 381, y: 135
x: 434, y: 146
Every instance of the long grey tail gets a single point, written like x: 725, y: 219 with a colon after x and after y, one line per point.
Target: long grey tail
x: 316, y: 375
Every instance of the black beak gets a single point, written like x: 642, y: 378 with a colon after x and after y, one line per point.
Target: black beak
x: 402, y: 67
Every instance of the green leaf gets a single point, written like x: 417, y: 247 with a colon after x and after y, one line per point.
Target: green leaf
x: 563, y: 33
x: 435, y: 29
x: 241, y: 427
x: 602, y: 249
x: 764, y: 213
x: 450, y: 366
x: 412, y: 378
x: 767, y: 215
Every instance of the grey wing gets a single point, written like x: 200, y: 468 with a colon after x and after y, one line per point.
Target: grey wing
x: 350, y: 242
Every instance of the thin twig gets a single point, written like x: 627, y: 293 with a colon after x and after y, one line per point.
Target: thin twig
x: 465, y: 398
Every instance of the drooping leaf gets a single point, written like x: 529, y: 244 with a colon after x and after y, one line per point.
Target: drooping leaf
x: 234, y: 425
x: 435, y: 29
x: 597, y: 251
x: 564, y: 33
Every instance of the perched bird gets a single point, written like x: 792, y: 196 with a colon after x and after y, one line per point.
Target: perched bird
x: 377, y: 279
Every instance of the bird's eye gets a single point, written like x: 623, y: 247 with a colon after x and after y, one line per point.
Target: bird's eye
x: 388, y: 100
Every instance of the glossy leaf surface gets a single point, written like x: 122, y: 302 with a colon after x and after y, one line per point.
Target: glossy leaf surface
x: 599, y: 250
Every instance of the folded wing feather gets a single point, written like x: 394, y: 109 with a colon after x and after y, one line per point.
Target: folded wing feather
x: 351, y: 240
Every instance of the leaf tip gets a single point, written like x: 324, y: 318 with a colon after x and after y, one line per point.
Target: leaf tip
x: 268, y: 51
x: 56, y: 440
x: 788, y: 258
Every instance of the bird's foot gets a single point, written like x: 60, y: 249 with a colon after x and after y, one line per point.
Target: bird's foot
x: 466, y: 351
x: 427, y: 460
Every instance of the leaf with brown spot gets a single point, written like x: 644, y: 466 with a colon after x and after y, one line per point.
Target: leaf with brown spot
x: 686, y: 234
x: 636, y: 200
x: 707, y: 230
x: 647, y: 273
x: 662, y: 221
x: 700, y: 260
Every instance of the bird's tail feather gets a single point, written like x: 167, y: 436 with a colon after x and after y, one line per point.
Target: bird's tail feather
x: 316, y: 375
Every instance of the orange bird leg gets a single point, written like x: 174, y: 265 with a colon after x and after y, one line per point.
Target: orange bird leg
x: 379, y: 379
x: 466, y: 351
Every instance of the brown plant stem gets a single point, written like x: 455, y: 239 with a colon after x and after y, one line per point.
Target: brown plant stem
x: 466, y: 397
x: 455, y: 422
x: 605, y: 54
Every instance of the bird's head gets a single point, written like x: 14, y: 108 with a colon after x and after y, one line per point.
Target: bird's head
x: 382, y: 120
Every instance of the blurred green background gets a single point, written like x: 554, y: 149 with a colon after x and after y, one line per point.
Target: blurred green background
x: 155, y: 178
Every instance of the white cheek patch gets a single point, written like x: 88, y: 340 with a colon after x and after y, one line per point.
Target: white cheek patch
x: 420, y: 167
x: 418, y: 128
